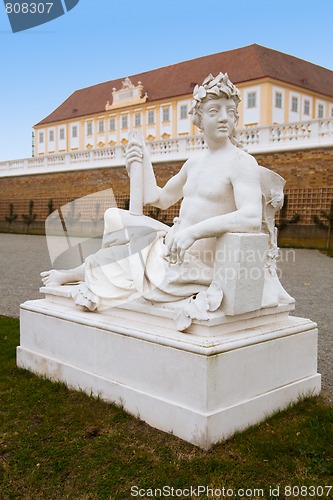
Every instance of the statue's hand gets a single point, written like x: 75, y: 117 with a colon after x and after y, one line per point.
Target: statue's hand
x: 134, y: 153
x: 178, y: 244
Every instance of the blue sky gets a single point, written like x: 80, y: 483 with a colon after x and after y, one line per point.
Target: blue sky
x: 100, y: 40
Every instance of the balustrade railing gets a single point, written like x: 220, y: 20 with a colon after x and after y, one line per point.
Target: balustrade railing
x: 195, y: 143
x: 249, y: 136
x: 326, y: 128
x: 278, y: 137
x: 163, y: 147
x: 290, y: 132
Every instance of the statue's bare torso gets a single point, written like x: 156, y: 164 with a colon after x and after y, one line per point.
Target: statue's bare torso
x: 213, y: 185
x: 212, y: 197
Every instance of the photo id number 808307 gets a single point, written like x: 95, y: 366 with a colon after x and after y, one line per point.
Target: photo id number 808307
x: 29, y: 8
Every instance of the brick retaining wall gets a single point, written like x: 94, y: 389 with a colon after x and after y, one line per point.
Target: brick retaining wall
x: 308, y: 174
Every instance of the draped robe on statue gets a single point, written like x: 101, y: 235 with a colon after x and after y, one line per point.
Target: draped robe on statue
x: 134, y: 265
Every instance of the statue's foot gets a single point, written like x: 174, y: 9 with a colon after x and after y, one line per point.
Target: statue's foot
x: 284, y: 297
x: 274, y: 293
x: 56, y: 278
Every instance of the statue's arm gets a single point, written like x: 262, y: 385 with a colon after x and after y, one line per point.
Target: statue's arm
x: 173, y: 189
x: 153, y: 194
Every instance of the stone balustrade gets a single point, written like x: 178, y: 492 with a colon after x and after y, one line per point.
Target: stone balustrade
x: 279, y: 137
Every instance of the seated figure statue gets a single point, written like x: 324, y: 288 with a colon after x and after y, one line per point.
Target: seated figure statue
x: 221, y: 192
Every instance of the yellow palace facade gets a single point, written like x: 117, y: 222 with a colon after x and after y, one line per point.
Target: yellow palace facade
x: 276, y: 88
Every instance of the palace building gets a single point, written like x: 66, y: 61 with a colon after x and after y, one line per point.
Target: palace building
x: 285, y: 122
x: 275, y: 87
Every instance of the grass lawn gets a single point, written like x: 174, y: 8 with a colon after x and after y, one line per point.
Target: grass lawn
x: 59, y: 444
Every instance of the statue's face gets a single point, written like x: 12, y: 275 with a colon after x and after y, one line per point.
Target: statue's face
x: 218, y: 118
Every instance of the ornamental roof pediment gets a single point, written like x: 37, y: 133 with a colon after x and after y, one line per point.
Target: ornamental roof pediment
x: 126, y: 96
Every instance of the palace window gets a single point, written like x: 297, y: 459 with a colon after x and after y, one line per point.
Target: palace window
x: 51, y: 135
x: 183, y: 112
x: 294, y: 104
x: 306, y: 107
x: 278, y: 100
x: 89, y: 128
x: 151, y: 117
x: 112, y: 124
x: 252, y: 99
x: 62, y: 134
x: 137, y: 120
x: 320, y: 111
x: 101, y: 126
x: 166, y: 114
x: 41, y: 137
x: 74, y: 131
x: 124, y: 121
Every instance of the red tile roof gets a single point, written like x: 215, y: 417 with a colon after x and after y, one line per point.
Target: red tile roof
x: 242, y: 65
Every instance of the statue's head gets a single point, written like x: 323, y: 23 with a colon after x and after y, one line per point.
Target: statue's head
x: 213, y: 88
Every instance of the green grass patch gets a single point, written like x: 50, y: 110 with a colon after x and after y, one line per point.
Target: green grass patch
x: 57, y: 444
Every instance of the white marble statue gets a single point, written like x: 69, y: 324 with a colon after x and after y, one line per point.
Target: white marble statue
x: 223, y: 190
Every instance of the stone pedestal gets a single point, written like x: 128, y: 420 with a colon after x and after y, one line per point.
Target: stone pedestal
x: 222, y: 376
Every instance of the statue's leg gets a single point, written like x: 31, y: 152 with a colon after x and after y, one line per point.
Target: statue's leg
x: 56, y: 278
x: 113, y: 220
x: 117, y: 220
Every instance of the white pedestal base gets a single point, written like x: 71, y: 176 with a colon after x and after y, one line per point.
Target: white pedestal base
x: 201, y: 388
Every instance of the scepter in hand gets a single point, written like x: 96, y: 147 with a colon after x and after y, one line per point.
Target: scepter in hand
x: 143, y: 188
x: 134, y: 159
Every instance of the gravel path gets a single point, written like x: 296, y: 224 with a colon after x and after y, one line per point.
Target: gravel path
x: 306, y: 274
